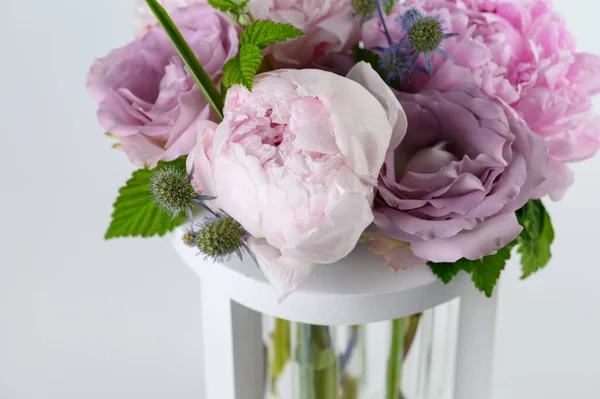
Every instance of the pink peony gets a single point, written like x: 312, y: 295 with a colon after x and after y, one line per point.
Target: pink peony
x: 521, y: 53
x: 148, y: 98
x: 296, y: 161
x: 330, y: 27
x: 453, y: 185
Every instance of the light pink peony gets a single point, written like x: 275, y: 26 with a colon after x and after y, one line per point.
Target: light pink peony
x: 144, y: 20
x: 147, y: 96
x: 521, y: 53
x: 296, y: 161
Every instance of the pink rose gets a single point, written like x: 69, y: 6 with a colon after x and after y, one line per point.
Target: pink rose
x: 452, y: 186
x: 144, y: 20
x: 146, y: 95
x: 330, y: 27
x: 296, y: 161
x: 521, y: 53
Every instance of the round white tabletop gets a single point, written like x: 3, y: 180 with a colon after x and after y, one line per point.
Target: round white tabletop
x: 356, y: 290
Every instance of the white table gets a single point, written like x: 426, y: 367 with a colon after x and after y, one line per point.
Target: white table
x: 359, y: 289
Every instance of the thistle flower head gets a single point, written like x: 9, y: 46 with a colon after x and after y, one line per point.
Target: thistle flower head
x: 220, y: 237
x: 364, y: 8
x: 424, y: 34
x: 172, y: 191
x: 190, y: 238
x: 396, y: 62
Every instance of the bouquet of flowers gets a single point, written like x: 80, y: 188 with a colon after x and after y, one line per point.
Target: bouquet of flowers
x: 290, y: 131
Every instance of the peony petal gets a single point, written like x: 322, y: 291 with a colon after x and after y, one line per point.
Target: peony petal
x: 397, y: 254
x: 363, y: 74
x: 282, y: 272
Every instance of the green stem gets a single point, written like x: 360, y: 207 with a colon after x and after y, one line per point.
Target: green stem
x: 325, y: 365
x: 281, y: 351
x: 210, y: 92
x: 304, y: 361
x: 395, y: 359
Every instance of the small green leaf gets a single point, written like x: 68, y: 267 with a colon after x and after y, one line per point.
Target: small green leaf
x: 135, y: 214
x: 242, y: 69
x: 485, y: 272
x: 203, y: 80
x: 262, y: 33
x: 445, y: 271
x: 227, y: 5
x: 388, y: 5
x: 536, y: 239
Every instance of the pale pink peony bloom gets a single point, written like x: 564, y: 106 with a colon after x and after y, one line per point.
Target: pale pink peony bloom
x: 296, y: 161
x: 521, y: 53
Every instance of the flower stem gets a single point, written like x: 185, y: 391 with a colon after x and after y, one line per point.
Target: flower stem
x: 207, y: 87
x: 385, y: 29
x: 395, y: 359
x: 325, y: 364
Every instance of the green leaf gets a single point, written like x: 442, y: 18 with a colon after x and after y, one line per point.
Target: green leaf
x: 135, y: 214
x: 207, y: 87
x: 262, y: 33
x: 484, y: 272
x: 445, y: 271
x: 228, y: 5
x: 389, y: 5
x: 536, y: 239
x: 243, y: 68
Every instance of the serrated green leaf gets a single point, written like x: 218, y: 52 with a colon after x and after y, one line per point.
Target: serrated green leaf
x: 536, y: 239
x: 445, y: 271
x: 135, y: 214
x: 262, y: 33
x: 243, y: 68
x: 485, y: 272
x: 227, y: 5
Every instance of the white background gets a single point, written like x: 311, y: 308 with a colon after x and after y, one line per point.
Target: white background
x: 84, y: 318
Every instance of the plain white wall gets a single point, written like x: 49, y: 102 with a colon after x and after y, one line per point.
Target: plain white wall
x: 84, y: 318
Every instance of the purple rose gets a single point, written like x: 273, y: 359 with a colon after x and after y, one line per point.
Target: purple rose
x: 453, y: 185
x: 148, y: 98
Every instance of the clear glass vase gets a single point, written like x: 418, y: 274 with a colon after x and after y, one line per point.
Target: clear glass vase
x: 408, y: 358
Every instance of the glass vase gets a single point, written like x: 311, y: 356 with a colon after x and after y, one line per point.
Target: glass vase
x: 407, y: 358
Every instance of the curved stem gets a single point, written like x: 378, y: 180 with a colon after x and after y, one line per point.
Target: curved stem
x: 381, y: 17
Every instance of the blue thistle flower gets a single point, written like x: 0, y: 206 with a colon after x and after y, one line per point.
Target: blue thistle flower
x: 173, y: 192
x: 190, y: 237
x: 396, y: 62
x: 424, y: 35
x: 219, y: 237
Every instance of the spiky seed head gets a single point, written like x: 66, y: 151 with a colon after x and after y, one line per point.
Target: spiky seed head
x: 172, y: 190
x: 364, y: 8
x: 395, y: 62
x: 220, y: 237
x: 190, y: 238
x: 426, y: 34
